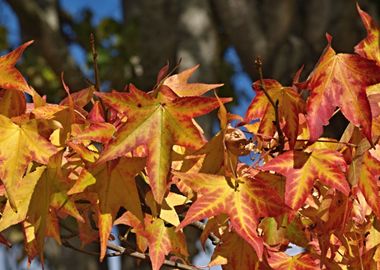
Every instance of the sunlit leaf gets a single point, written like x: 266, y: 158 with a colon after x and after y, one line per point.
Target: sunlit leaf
x: 243, y: 199
x: 340, y: 80
x: 159, y: 123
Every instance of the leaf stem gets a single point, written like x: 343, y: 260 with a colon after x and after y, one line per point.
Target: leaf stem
x: 281, y: 137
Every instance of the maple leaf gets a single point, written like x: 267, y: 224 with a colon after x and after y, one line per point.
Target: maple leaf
x: 368, y: 181
x: 12, y: 103
x: 302, y: 169
x: 178, y: 83
x: 40, y: 196
x: 370, y: 46
x: 162, y: 240
x: 244, y: 200
x: 290, y: 104
x: 10, y: 77
x: 234, y: 253
x: 340, y: 80
x: 281, y: 261
x: 159, y: 123
x: 19, y: 145
x: 111, y: 182
x: 98, y: 132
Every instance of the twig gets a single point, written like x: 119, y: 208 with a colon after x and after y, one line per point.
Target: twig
x: 330, y: 141
x: 201, y: 226
x: 281, y: 137
x: 95, y: 62
x: 96, y: 72
x: 123, y: 251
x: 138, y: 255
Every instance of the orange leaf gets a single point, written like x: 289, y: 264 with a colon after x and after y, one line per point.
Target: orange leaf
x: 290, y: 104
x: 244, y: 200
x: 162, y: 240
x: 12, y: 103
x: 302, y: 169
x: 281, y: 261
x: 159, y: 123
x: 115, y: 186
x: 370, y: 46
x: 368, y: 181
x: 234, y: 253
x: 10, y: 77
x: 178, y: 83
x: 340, y: 80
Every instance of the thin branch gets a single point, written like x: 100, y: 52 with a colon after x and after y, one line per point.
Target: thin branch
x: 119, y: 251
x: 95, y: 61
x: 330, y: 141
x: 281, y: 137
x: 138, y: 255
x: 201, y: 226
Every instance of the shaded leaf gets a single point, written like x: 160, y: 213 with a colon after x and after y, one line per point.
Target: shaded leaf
x: 19, y: 145
x: 290, y: 104
x: 325, y: 165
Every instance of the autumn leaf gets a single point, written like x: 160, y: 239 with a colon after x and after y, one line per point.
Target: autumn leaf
x: 178, y: 83
x: 243, y: 199
x: 282, y: 261
x: 368, y: 181
x: 19, y: 145
x: 23, y: 195
x: 114, y: 184
x: 40, y: 197
x: 290, y: 104
x: 340, y: 80
x: 159, y: 123
x: 302, y: 169
x: 234, y: 253
x: 10, y: 77
x: 12, y: 103
x: 370, y: 46
x: 162, y: 240
x: 98, y: 132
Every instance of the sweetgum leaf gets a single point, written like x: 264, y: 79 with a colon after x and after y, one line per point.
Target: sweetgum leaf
x: 10, y: 77
x: 12, y: 103
x: 115, y: 187
x: 244, y: 203
x: 290, y: 104
x: 368, y: 181
x: 158, y: 123
x: 370, y: 46
x: 302, y: 169
x: 40, y: 196
x: 340, y: 80
x: 19, y: 145
x: 178, y: 83
x: 234, y: 253
x: 162, y: 240
x: 281, y: 261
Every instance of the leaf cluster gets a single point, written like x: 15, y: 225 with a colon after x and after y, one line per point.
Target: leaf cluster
x: 138, y: 160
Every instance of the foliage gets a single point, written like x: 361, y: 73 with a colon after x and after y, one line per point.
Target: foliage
x: 139, y: 160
